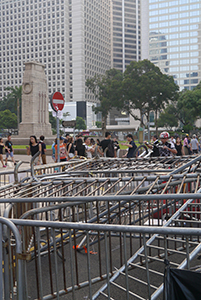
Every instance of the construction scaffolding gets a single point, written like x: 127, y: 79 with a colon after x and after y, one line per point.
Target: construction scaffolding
x: 110, y: 222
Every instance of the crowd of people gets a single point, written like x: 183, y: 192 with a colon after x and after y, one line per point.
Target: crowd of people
x: 87, y: 147
x: 173, y: 145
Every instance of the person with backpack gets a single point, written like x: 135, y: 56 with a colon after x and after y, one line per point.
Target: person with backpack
x: 131, y: 146
x: 107, y: 143
x: 43, y: 149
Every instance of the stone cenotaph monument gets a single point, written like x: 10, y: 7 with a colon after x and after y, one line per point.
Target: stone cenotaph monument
x: 35, y: 114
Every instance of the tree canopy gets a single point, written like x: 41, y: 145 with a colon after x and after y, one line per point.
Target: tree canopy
x: 186, y: 110
x: 13, y: 100
x: 8, y: 119
x: 80, y: 124
x: 107, y: 89
x: 146, y: 89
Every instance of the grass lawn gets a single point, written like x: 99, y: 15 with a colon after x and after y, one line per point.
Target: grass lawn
x: 50, y: 146
x: 24, y: 146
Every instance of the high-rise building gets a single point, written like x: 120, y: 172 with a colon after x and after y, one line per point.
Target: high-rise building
x: 34, y: 30
x: 90, y: 44
x: 174, y: 39
x: 126, y: 33
x: 126, y: 27
x: 72, y: 38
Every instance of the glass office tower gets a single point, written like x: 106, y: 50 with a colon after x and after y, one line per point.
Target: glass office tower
x: 175, y: 39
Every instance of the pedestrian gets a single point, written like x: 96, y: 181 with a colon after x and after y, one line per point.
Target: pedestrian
x: 179, y: 147
x: 92, y: 142
x: 70, y: 148
x: 34, y: 147
x: 53, y: 150
x: 172, y: 139
x: 1, y: 152
x: 194, y: 144
x: 116, y: 144
x: 131, y: 146
x: 89, y: 148
x: 67, y: 138
x: 153, y: 146
x: 107, y: 143
x: 80, y: 148
x: 43, y: 149
x: 9, y: 150
x: 62, y: 151
x: 187, y: 146
x: 166, y: 148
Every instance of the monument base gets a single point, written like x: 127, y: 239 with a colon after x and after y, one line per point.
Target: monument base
x: 27, y: 129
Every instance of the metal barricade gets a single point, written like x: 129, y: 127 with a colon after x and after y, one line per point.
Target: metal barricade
x: 55, y: 215
x: 11, y: 270
x: 113, y: 260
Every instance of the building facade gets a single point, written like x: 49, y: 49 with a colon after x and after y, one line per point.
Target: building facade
x: 126, y: 39
x: 72, y: 38
x: 34, y: 30
x: 175, y: 39
x: 126, y: 33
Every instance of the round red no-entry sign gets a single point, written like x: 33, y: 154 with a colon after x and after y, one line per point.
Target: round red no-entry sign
x: 57, y: 101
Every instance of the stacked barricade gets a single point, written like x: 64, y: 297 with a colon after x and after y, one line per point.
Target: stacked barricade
x: 81, y: 229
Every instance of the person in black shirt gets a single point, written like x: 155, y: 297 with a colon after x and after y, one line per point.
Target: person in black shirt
x: 179, y: 147
x: 107, y: 143
x: 9, y: 150
x: 43, y: 149
x: 131, y: 146
x: 34, y: 147
x: 153, y: 146
x: 1, y: 152
x: 80, y: 148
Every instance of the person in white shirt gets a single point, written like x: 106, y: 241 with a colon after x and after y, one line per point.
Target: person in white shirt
x: 89, y: 149
x: 194, y: 144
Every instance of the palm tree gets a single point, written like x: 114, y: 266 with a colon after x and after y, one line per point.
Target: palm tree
x: 15, y: 97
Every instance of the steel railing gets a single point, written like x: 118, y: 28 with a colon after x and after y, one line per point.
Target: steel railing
x: 55, y: 276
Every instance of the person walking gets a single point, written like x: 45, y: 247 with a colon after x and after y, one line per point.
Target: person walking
x: 107, y: 143
x: 89, y: 148
x: 166, y: 148
x: 1, y: 152
x: 9, y: 150
x: 187, y: 146
x: 194, y: 144
x: 80, y: 148
x: 153, y: 146
x: 53, y: 150
x: 179, y: 147
x: 62, y: 151
x: 34, y: 147
x: 70, y: 148
x: 131, y: 146
x: 43, y: 149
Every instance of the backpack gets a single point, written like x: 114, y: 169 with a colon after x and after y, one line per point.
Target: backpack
x: 110, y: 149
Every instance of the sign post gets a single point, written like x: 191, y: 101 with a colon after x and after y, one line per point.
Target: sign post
x: 57, y: 103
x: 71, y: 124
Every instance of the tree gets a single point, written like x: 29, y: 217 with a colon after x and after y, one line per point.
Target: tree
x: 80, y: 124
x: 13, y: 101
x: 167, y: 118
x: 53, y: 122
x: 186, y: 110
x: 107, y: 89
x: 8, y: 119
x: 98, y: 124
x: 146, y: 88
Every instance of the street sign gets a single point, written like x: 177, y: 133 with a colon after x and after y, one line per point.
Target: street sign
x: 69, y: 123
x: 57, y: 101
